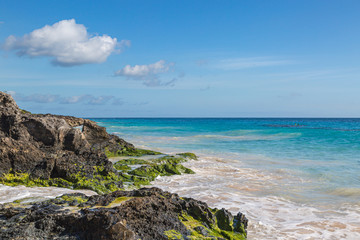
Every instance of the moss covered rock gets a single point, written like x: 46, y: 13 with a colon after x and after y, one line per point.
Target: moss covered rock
x: 134, y: 152
x: 138, y: 214
x: 188, y: 155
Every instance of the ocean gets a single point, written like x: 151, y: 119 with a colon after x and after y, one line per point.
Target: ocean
x: 294, y: 178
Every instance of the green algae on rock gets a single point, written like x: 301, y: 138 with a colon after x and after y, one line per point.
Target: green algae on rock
x: 201, y: 230
x: 173, y: 235
x: 147, y: 213
x: 130, y: 161
x: 97, y: 182
x: 51, y: 150
x: 188, y: 155
x: 126, y: 173
x: 146, y: 171
x: 134, y: 152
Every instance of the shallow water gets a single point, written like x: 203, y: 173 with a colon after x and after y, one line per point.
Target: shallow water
x: 33, y: 194
x: 293, y: 178
x: 274, y: 213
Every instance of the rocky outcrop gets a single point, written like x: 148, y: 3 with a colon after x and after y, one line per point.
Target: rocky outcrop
x: 61, y: 151
x: 139, y: 214
x: 52, y: 150
x: 49, y: 145
x: 96, y: 135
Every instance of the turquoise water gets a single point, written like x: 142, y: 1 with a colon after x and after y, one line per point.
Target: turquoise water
x: 311, y: 163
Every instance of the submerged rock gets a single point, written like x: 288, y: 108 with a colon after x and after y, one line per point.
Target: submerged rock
x: 138, y: 214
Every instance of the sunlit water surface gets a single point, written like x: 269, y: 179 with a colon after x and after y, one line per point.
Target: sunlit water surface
x: 293, y: 178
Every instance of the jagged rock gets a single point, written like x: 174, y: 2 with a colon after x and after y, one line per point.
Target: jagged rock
x: 46, y: 145
x: 240, y: 223
x: 53, y: 147
x: 141, y: 214
x: 224, y: 219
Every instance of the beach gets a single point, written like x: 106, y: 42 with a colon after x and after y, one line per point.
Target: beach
x: 180, y: 120
x: 67, y: 178
x: 292, y: 178
x: 292, y: 181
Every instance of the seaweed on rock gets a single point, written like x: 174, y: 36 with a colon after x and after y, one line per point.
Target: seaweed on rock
x: 146, y: 171
x: 138, y: 214
x: 127, y: 152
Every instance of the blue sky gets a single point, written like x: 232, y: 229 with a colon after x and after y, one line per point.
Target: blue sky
x: 182, y: 58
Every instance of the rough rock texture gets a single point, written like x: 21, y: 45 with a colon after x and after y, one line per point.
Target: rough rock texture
x: 49, y: 145
x: 139, y: 214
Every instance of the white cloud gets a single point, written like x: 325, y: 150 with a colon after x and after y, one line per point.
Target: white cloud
x: 67, y: 42
x: 241, y: 63
x: 139, y: 71
x: 148, y: 74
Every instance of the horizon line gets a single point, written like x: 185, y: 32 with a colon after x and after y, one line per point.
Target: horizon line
x: 226, y: 117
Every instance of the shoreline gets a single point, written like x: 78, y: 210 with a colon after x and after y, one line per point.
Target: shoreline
x: 51, y: 150
x: 220, y: 180
x: 270, y: 216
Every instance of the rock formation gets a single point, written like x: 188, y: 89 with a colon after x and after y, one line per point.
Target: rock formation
x: 52, y: 150
x: 47, y: 146
x: 129, y: 215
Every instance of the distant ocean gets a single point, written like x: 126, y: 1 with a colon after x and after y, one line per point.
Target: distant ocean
x: 293, y: 178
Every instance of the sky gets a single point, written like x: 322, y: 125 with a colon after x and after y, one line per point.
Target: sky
x: 203, y: 58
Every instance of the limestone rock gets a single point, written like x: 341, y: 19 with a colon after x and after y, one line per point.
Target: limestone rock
x: 46, y: 145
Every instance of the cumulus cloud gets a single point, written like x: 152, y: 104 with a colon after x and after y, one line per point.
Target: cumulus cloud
x: 139, y: 71
x: 66, y: 42
x: 148, y: 74
x: 50, y: 98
